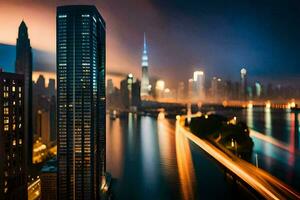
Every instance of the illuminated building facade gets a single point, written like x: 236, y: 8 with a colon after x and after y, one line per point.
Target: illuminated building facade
x: 145, y: 86
x: 24, y: 66
x: 199, y: 85
x: 80, y: 101
x: 13, y: 182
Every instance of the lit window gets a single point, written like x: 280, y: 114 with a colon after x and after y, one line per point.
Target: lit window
x: 6, y: 128
x: 5, y: 94
x: 6, y: 120
x: 62, y: 16
x: 14, y: 143
x: 20, y: 141
x: 6, y: 111
x: 13, y: 88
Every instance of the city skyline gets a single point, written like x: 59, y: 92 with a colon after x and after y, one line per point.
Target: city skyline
x: 174, y: 99
x: 247, y: 41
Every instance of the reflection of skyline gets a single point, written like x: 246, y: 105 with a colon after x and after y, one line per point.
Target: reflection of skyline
x: 148, y: 152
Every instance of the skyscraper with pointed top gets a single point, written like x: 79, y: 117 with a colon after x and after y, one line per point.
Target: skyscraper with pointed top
x: 145, y: 76
x: 24, y: 67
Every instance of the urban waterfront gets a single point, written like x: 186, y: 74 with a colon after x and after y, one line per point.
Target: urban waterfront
x: 150, y: 160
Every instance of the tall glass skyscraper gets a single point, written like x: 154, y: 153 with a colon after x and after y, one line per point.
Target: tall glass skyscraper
x: 80, y: 101
x: 145, y: 76
x: 24, y: 67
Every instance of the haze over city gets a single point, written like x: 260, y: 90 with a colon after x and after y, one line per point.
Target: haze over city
x: 183, y: 36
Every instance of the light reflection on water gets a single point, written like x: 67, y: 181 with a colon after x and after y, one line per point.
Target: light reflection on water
x: 149, y: 160
x: 185, y: 166
x: 148, y: 151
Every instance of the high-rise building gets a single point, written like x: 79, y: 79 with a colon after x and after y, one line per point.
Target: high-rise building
x: 49, y: 180
x: 52, y: 110
x: 243, y: 89
x: 24, y: 66
x: 130, y: 92
x: 191, y: 89
x: 199, y: 85
x: 110, y: 87
x: 159, y: 89
x: 145, y: 76
x: 51, y: 87
x: 13, y: 169
x: 80, y: 101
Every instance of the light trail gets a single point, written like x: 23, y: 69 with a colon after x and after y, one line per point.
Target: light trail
x: 34, y: 190
x: 271, y: 140
x: 265, y: 184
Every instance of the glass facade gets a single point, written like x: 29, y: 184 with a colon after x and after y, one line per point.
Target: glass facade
x: 80, y: 101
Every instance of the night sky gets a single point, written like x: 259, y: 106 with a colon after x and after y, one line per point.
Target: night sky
x: 217, y: 36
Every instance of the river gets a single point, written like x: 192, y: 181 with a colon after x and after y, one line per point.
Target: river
x: 148, y: 159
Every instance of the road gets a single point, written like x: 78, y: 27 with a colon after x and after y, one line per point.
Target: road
x: 264, y: 183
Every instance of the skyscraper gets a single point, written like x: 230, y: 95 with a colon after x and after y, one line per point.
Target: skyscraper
x: 199, y: 87
x: 145, y: 76
x: 80, y: 101
x: 13, y: 182
x: 243, y: 89
x: 24, y: 66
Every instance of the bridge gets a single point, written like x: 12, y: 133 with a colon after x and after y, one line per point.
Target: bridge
x: 262, y: 182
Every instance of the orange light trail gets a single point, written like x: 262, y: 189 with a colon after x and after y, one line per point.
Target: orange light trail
x: 264, y: 183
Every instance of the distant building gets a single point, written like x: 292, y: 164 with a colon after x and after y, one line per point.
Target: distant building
x: 51, y: 88
x: 24, y: 66
x: 43, y: 124
x: 130, y: 92
x: 191, y: 89
x: 159, y: 89
x: 145, y: 74
x: 199, y: 85
x: 81, y: 102
x: 49, y: 180
x: 243, y: 89
x: 13, y: 165
x: 110, y: 87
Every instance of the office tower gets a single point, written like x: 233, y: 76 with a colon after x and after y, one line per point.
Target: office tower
x: 53, y: 124
x: 24, y: 66
x: 49, y: 180
x: 199, y: 87
x: 159, y: 89
x: 80, y: 101
x: 130, y: 93
x: 51, y: 88
x: 13, y: 182
x: 243, y: 89
x: 43, y: 124
x: 110, y: 87
x: 191, y: 89
x: 145, y: 76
